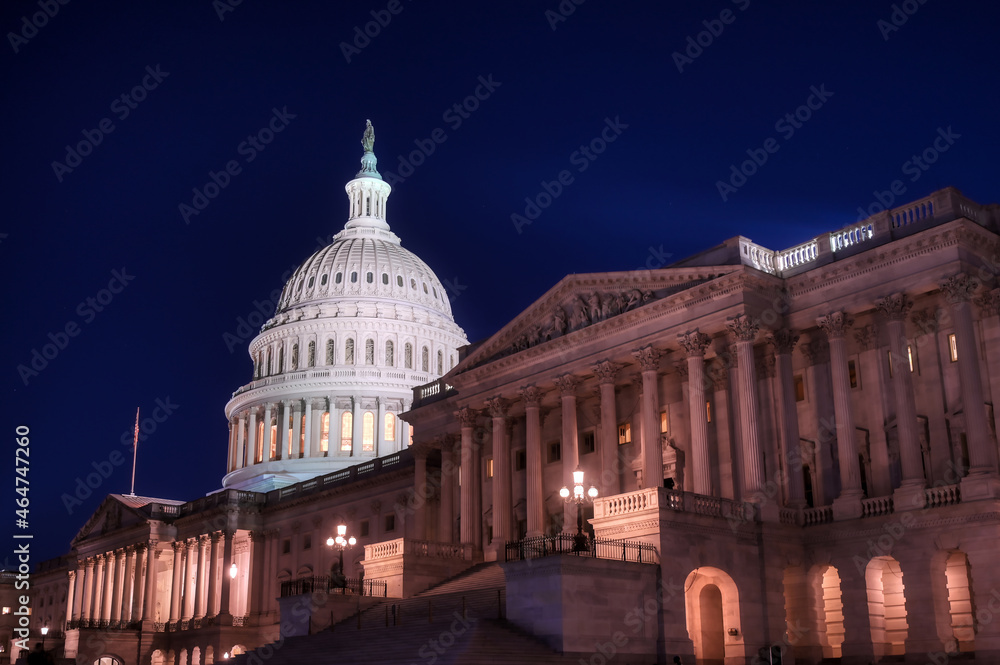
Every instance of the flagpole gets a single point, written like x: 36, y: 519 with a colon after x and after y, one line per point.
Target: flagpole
x: 135, y: 449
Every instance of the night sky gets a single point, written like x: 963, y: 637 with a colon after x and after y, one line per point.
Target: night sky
x: 639, y: 122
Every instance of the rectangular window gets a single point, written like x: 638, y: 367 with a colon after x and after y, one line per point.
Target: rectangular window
x: 274, y: 441
x: 664, y: 423
x: 489, y: 468
x: 555, y: 452
x: 389, y: 427
x: 624, y: 433
x: 852, y: 371
x: 520, y: 460
x: 390, y: 523
x: 363, y: 528
x: 286, y: 546
x: 346, y: 431
x: 588, y: 443
x: 708, y: 411
x: 324, y: 433
x: 368, y: 432
x: 952, y: 347
x: 800, y: 388
x: 909, y: 356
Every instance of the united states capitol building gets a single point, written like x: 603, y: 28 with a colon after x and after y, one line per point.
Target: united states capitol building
x: 793, y: 457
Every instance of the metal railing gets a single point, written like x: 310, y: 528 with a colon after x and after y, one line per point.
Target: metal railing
x: 565, y: 543
x: 345, y: 586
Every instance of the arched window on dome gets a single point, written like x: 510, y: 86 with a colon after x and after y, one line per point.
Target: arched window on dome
x: 346, y: 431
x: 322, y: 280
x: 295, y: 357
x: 330, y: 357
x: 349, y: 352
x: 281, y: 360
x: 268, y: 364
x: 425, y: 360
x: 390, y: 427
x: 312, y: 280
x: 369, y: 352
x: 256, y: 365
x: 440, y: 363
x: 324, y: 433
x: 258, y: 453
x: 399, y: 280
x: 389, y: 354
x: 368, y: 432
x: 354, y: 277
x: 425, y: 288
x: 339, y: 278
x: 370, y: 278
x: 413, y: 284
x: 311, y: 359
x: 385, y: 278
x: 408, y: 355
x: 451, y: 362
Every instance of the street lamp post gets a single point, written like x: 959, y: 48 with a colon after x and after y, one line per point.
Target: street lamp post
x: 342, y: 542
x: 45, y: 631
x: 579, y: 497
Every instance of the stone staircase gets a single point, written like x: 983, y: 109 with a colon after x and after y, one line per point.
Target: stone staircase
x: 458, y: 621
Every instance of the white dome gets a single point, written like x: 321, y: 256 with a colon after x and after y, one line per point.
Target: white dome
x: 358, y: 326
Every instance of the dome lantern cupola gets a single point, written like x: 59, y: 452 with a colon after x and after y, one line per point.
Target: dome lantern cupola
x: 368, y: 192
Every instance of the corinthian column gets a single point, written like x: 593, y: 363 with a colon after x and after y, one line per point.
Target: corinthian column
x: 567, y: 385
x: 694, y: 344
x: 149, y: 598
x: 910, y: 494
x: 446, y: 516
x: 606, y: 373
x: 744, y: 332
x: 848, y: 504
x: 469, y: 525
x: 652, y: 450
x: 176, y: 591
x: 535, y: 500
x: 251, y: 452
x: 88, y: 591
x: 502, y: 508
x: 982, y: 481
x: 240, y: 424
x: 201, y: 576
x: 783, y: 342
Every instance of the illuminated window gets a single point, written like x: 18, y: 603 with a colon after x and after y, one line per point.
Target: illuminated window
x: 408, y: 355
x: 329, y: 352
x: 302, y: 436
x: 346, y: 431
x: 368, y: 432
x: 259, y: 451
x: 953, y: 347
x: 664, y: 424
x: 489, y: 468
x: 624, y: 433
x: 909, y: 356
x: 274, y: 441
x: 370, y: 352
x: 324, y: 432
x: 6, y: 610
x: 349, y: 352
x: 708, y: 412
x: 390, y: 353
x: 389, y: 427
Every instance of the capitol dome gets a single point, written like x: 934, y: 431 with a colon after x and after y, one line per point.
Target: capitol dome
x: 358, y: 325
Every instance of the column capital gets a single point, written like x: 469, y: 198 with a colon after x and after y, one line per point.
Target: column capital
x: 648, y: 358
x: 782, y: 340
x: 567, y: 385
x: 894, y: 307
x: 531, y: 395
x: 867, y: 337
x: 215, y: 536
x: 743, y: 328
x: 177, y: 546
x: 959, y: 288
x: 693, y: 342
x: 989, y: 303
x: 606, y: 371
x: 497, y: 407
x: 835, y: 324
x: 467, y: 416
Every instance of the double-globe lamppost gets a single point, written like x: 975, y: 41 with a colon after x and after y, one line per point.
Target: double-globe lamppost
x: 578, y: 496
x: 342, y: 541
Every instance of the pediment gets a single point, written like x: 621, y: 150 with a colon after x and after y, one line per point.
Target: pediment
x: 580, y: 301
x: 115, y: 513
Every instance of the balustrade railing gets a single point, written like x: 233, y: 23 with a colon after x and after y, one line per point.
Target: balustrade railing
x: 566, y: 543
x: 879, y: 505
x: 946, y: 495
x: 820, y: 515
x: 334, y: 585
x: 423, y: 548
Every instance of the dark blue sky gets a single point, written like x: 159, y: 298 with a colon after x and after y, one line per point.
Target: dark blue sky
x: 885, y: 95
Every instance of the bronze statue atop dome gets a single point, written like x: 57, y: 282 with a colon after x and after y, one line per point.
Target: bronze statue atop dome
x: 368, y: 140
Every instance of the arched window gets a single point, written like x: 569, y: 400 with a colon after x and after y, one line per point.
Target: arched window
x: 281, y: 360
x: 346, y: 431
x: 369, y: 278
x: 349, y: 352
x: 339, y: 278
x: 389, y: 354
x: 408, y: 355
x: 107, y: 660
x: 274, y: 441
x: 354, y: 277
x: 256, y: 366
x: 295, y: 357
x: 311, y: 360
x: 369, y: 352
x: 425, y: 360
x: 399, y: 280
x: 324, y: 432
x: 390, y: 427
x: 258, y: 453
x: 268, y: 372
x: 368, y: 432
x: 425, y: 288
x: 330, y: 357
x: 440, y: 362
x: 322, y: 280
x: 312, y: 280
x: 385, y: 278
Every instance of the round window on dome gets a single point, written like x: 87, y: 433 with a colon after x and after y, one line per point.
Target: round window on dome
x: 413, y: 284
x: 425, y: 287
x: 385, y: 278
x: 369, y: 278
x: 435, y: 291
x: 312, y: 280
x: 399, y: 280
x: 339, y: 277
x: 299, y: 287
x: 354, y: 277
x: 322, y: 280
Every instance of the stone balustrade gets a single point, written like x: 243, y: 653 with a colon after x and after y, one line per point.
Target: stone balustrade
x: 946, y: 495
x: 798, y: 255
x: 820, y: 515
x: 421, y: 548
x: 654, y: 498
x: 879, y: 505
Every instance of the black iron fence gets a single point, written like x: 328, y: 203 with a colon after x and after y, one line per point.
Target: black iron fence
x: 326, y: 584
x: 567, y: 543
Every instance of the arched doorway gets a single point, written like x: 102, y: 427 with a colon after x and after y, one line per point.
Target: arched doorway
x: 961, y: 602
x: 712, y: 606
x: 829, y: 609
x: 713, y: 634
x: 886, y: 606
